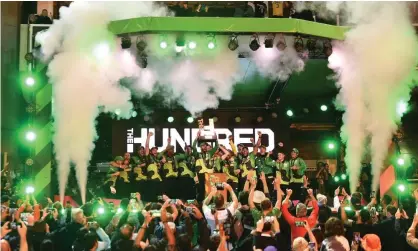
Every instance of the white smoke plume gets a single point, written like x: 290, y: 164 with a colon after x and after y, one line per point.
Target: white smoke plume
x: 86, y: 65
x: 374, y: 65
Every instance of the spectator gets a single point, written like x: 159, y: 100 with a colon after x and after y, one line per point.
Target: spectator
x: 260, y: 9
x: 219, y: 203
x: 334, y: 233
x: 389, y: 230
x: 44, y: 18
x: 410, y: 236
x: 371, y: 242
x: 267, y: 233
x: 297, y: 223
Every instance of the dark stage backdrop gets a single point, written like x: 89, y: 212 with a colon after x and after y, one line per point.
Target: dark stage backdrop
x: 128, y: 135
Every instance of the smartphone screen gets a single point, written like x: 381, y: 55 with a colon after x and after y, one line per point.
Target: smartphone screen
x: 356, y: 236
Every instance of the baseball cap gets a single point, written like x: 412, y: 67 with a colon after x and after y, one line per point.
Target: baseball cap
x: 258, y: 196
x: 295, y: 150
x: 119, y: 158
x: 371, y: 242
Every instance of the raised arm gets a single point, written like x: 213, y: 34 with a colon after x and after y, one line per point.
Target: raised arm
x: 251, y: 195
x: 257, y: 145
x: 233, y: 195
x: 225, y: 152
x: 264, y: 181
x: 147, y: 143
x: 277, y: 182
x: 232, y: 144
x: 215, y: 148
x: 212, y: 193
x: 286, y: 214
x: 314, y: 215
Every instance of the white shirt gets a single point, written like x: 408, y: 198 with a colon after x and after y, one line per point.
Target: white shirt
x: 222, y: 215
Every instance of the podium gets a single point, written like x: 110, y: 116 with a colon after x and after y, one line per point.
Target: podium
x: 211, y: 179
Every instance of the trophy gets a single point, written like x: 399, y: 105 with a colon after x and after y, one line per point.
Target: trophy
x: 207, y: 132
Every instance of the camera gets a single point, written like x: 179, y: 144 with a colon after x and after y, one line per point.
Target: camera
x: 269, y: 219
x: 299, y: 223
x: 155, y: 213
x: 189, y: 210
x: 356, y: 236
x: 311, y: 246
x: 219, y: 186
x: 13, y: 225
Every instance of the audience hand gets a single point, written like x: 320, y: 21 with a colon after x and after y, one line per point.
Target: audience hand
x: 289, y: 192
x: 337, y: 191
x: 227, y: 186
x: 165, y: 198
x: 197, y: 214
x: 262, y: 176
x: 260, y: 225
x: 306, y: 226
x: 213, y: 190
x: 22, y: 230
x: 5, y: 229
x: 310, y: 192
x: 398, y: 214
x: 343, y: 192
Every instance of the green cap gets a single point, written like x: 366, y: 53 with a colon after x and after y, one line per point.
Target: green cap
x: 119, y: 158
x: 295, y: 150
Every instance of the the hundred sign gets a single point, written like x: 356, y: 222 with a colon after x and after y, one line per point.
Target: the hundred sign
x: 241, y: 136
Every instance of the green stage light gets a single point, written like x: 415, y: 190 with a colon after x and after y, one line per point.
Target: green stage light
x: 100, y: 210
x: 170, y: 119
x: 119, y: 211
x: 401, y: 187
x: 190, y: 119
x: 117, y: 112
x: 29, y: 81
x: 163, y: 45
x: 289, y: 113
x: 347, y: 208
x: 336, y: 178
x: 324, y: 108
x: 192, y: 45
x: 30, y: 136
x: 343, y: 176
x: 401, y: 107
x: 401, y: 161
x: 30, y: 189
x: 331, y: 146
x: 211, y: 45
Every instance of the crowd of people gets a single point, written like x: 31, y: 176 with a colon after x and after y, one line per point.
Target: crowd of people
x: 266, y: 203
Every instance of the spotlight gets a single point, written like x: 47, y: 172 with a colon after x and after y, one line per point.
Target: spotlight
x: 401, y: 108
x: 126, y: 42
x: 30, y: 136
x: 211, y: 45
x: 170, y: 119
x: 254, y: 43
x: 401, y: 161
x: 233, y: 43
x: 140, y: 44
x: 298, y: 44
x: 143, y: 61
x: 268, y: 41
x: 192, y: 45
x: 100, y: 210
x: 336, y: 178
x: 180, y: 41
x: 215, y: 119
x: 190, y: 119
x: 259, y: 119
x: 274, y: 115
x: 101, y: 51
x: 119, y: 211
x: 331, y: 146
x: 30, y: 189
x: 117, y: 112
x: 324, y: 108
x: 237, y: 119
x: 163, y: 44
x: 29, y: 57
x: 289, y: 113
x: 146, y: 118
x: 134, y: 114
x: 343, y: 176
x: 29, y: 81
x: 281, y: 44
x: 401, y: 187
x: 327, y: 48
